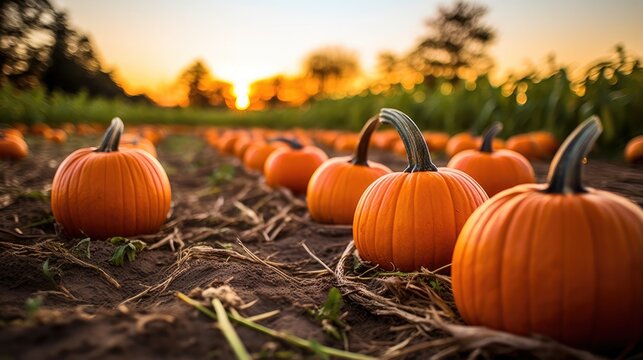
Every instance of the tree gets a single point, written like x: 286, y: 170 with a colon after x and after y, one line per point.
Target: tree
x: 203, y: 90
x: 25, y: 40
x: 331, y: 67
x: 457, y: 41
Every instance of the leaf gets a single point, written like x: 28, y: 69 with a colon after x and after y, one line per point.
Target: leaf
x: 82, y: 248
x: 126, y: 248
x: 223, y: 174
x: 32, y: 305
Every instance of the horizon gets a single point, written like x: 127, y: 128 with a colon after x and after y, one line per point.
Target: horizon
x: 241, y: 47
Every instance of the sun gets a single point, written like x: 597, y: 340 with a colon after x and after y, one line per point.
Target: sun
x: 241, y: 92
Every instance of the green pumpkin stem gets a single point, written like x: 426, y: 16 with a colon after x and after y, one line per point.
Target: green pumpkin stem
x: 294, y: 144
x: 416, y: 149
x: 360, y: 156
x: 488, y: 136
x: 112, y: 136
x: 565, y: 170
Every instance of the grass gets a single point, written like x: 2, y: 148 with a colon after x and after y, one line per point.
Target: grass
x: 125, y: 249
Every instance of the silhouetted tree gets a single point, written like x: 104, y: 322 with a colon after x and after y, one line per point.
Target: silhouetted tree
x: 203, y: 90
x: 25, y: 40
x: 331, y: 64
x: 457, y: 40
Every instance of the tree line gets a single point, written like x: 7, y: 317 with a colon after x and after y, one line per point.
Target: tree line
x: 39, y: 47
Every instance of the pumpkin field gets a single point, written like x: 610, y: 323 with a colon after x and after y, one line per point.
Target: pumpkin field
x: 226, y: 247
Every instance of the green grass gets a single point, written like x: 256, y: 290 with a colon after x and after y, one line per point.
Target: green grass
x: 611, y: 89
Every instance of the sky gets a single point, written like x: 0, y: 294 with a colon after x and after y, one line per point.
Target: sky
x: 149, y: 42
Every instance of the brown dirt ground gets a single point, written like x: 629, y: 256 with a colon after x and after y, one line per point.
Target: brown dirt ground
x: 85, y: 316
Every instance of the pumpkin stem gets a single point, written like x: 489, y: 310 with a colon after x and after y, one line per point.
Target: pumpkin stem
x: 416, y: 149
x: 294, y: 144
x: 489, y: 134
x: 360, y: 156
x: 565, y: 170
x: 112, y: 136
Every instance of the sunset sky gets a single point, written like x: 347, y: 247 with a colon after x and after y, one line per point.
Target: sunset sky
x: 148, y: 42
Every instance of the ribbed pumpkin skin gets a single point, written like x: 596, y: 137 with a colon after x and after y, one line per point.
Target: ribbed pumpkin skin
x: 293, y: 168
x: 494, y: 171
x: 565, y: 266
x: 108, y: 194
x: 336, y: 187
x: 634, y: 150
x: 12, y: 147
x: 430, y: 207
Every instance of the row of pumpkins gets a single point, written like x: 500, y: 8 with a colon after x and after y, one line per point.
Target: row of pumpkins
x: 558, y: 259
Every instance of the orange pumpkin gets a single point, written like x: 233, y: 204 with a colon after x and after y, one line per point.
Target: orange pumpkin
x: 39, y: 128
x: 346, y: 142
x: 494, y: 170
x: 634, y: 150
x: 133, y: 141
x: 535, y: 145
x: 257, y: 153
x: 241, y: 145
x: 556, y: 259
x: 293, y: 166
x: 226, y: 142
x: 58, y: 136
x: 336, y: 186
x: 6, y: 129
x: 437, y: 141
x: 385, y: 140
x: 106, y: 191
x: 12, y: 147
x: 411, y: 219
x: 460, y: 142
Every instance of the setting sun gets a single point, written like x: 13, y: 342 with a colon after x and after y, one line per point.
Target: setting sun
x: 241, y: 91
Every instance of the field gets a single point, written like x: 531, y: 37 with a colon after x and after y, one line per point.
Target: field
x: 62, y: 298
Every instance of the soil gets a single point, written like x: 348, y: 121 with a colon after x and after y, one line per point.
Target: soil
x: 250, y: 238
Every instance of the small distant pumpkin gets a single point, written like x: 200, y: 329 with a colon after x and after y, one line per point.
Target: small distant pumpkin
x: 494, y: 170
x: 556, y: 259
x: 12, y: 146
x: 538, y: 145
x: 337, y: 185
x: 437, y: 141
x: 107, y: 191
x: 634, y: 150
x: 460, y: 142
x: 346, y: 142
x: 58, y: 136
x: 291, y: 167
x: 133, y: 141
x: 411, y: 219
x: 254, y: 159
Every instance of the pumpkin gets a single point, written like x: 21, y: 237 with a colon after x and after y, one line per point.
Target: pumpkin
x: 85, y: 129
x: 58, y: 136
x: 346, y: 142
x: 39, y: 128
x: 292, y: 166
x: 556, y: 259
x: 12, y: 147
x: 385, y: 140
x: 437, y: 141
x: 7, y: 130
x: 411, y: 219
x: 226, y: 142
x: 336, y: 186
x: 634, y: 150
x: 241, y: 145
x: 106, y: 191
x: 494, y: 170
x: 133, y: 141
x: 535, y: 145
x: 255, y: 156
x: 460, y: 142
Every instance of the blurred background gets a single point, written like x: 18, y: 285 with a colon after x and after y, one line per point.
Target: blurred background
x: 451, y: 65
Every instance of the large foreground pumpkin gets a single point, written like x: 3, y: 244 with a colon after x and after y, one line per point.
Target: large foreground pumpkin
x: 555, y: 259
x: 107, y: 191
x: 411, y: 219
x: 336, y: 186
